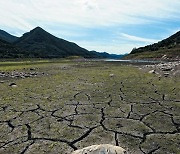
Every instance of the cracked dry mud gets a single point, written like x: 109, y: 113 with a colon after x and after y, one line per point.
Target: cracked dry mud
x: 84, y: 105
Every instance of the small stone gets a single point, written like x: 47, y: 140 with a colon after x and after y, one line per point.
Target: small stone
x: 32, y: 69
x: 152, y: 72
x: 166, y: 74
x: 33, y: 73
x: 12, y: 85
x: 26, y: 75
x: 164, y: 57
x: 101, y: 149
x: 111, y: 75
x: 166, y: 69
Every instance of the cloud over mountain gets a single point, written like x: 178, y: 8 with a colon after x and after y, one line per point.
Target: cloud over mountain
x: 20, y: 16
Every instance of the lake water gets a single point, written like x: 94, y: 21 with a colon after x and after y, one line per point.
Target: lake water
x: 131, y: 61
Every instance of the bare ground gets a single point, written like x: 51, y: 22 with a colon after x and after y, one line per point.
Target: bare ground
x: 78, y: 104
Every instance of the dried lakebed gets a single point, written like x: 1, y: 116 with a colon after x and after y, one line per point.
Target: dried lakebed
x: 78, y: 104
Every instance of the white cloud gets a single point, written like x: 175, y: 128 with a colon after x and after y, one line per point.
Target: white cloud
x: 25, y: 14
x: 110, y: 47
x: 71, y: 19
x: 138, y: 39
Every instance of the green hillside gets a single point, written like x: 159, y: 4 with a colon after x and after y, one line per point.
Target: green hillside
x: 166, y: 49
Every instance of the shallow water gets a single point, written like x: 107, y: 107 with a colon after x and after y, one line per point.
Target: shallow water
x: 131, y: 61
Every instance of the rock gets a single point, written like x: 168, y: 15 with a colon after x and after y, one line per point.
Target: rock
x: 2, y: 74
x: 111, y: 75
x: 101, y: 149
x: 166, y: 74
x: 164, y: 57
x: 27, y: 75
x: 15, y: 74
x: 152, y: 72
x: 12, y: 85
x: 166, y: 69
x: 33, y: 73
x: 1, y: 81
x: 32, y: 69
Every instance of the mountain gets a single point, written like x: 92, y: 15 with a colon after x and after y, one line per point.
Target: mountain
x: 8, y: 50
x: 168, y: 48
x: 107, y: 55
x: 7, y: 37
x: 40, y: 43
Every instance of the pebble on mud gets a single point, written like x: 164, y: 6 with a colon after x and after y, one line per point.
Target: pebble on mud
x: 13, y: 85
x: 152, y: 72
x: 111, y: 75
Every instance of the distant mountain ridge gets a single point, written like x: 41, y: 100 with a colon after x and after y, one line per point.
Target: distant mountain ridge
x: 169, y: 48
x: 7, y: 37
x: 110, y: 56
x: 38, y: 43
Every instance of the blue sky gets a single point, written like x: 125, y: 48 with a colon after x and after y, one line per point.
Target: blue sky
x: 114, y: 26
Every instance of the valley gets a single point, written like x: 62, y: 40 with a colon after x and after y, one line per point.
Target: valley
x: 89, y: 77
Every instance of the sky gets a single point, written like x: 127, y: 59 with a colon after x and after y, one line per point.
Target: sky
x: 113, y: 26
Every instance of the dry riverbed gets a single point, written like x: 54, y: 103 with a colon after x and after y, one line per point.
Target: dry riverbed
x: 70, y: 105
